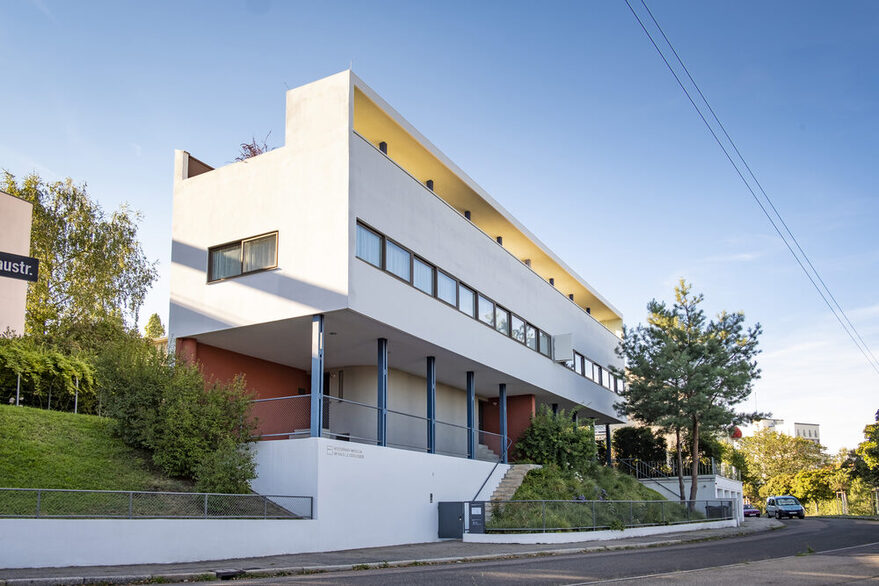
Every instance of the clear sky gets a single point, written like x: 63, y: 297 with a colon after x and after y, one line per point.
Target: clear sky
x: 562, y: 111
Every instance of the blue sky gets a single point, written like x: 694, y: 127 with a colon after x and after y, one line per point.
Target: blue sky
x: 562, y: 111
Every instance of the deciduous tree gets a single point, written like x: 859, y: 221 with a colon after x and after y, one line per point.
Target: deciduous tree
x: 92, y: 268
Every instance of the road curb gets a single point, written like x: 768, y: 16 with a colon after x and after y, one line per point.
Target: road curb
x: 219, y: 574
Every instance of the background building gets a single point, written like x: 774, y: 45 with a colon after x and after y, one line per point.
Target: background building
x: 15, y: 238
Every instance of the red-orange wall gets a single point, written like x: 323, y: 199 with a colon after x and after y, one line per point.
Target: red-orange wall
x: 264, y: 380
x: 520, y: 409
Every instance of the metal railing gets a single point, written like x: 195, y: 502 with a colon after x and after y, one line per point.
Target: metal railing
x: 347, y: 420
x: 581, y: 515
x: 51, y: 503
x: 644, y: 469
x: 282, y: 417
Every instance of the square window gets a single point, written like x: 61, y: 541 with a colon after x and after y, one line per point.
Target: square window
x: 259, y: 253
x: 225, y: 262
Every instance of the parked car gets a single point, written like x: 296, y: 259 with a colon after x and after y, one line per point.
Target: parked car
x: 784, y: 506
x: 751, y: 511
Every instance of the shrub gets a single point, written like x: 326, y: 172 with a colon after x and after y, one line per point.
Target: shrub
x: 555, y: 438
x: 639, y: 443
x: 227, y: 469
x: 192, y: 428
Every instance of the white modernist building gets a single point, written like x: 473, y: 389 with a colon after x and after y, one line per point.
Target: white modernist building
x: 809, y: 431
x: 398, y: 326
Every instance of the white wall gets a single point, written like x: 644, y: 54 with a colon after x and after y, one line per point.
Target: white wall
x: 15, y: 238
x: 33, y: 543
x: 300, y: 190
x: 392, y: 202
x: 368, y: 495
x: 577, y: 536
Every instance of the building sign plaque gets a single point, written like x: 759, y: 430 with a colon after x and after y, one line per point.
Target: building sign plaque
x: 18, y: 267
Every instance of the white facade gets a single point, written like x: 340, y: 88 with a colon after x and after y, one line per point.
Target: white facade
x: 353, y: 170
x: 15, y: 238
x: 809, y: 431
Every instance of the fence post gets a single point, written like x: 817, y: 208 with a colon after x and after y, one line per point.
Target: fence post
x: 662, y: 512
x: 39, y: 496
x: 631, y: 513
x: 265, y: 507
x: 593, y: 515
x: 130, y: 505
x: 205, y: 505
x: 544, y: 516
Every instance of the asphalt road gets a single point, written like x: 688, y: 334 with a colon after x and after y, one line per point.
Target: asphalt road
x: 819, y: 551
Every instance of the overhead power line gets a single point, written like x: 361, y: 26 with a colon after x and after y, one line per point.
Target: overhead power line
x: 739, y: 163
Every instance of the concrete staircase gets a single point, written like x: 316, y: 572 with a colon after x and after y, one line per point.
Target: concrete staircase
x: 483, y: 452
x: 511, y: 481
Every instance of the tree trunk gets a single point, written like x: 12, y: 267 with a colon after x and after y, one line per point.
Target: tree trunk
x: 680, y: 457
x: 694, y: 455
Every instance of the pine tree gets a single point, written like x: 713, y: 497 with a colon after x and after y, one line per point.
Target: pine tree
x: 686, y: 373
x: 154, y: 328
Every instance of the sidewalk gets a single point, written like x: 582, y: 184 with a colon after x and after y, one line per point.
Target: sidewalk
x: 442, y: 552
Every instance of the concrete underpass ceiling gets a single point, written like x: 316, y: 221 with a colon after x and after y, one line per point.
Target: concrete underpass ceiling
x: 350, y: 340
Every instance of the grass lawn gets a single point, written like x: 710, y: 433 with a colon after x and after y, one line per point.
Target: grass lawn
x: 51, y: 449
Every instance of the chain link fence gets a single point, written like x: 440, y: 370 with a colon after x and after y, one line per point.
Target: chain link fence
x: 111, y: 504
x: 558, y: 516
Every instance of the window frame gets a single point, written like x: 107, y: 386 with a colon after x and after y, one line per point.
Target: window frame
x: 381, y: 245
x: 240, y: 244
x: 390, y: 241
x: 417, y: 259
x: 439, y: 272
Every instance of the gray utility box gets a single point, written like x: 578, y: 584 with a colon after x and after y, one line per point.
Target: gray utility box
x: 451, y: 520
x: 477, y: 517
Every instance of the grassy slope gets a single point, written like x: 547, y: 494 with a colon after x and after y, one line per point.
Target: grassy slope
x: 550, y: 483
x: 50, y: 449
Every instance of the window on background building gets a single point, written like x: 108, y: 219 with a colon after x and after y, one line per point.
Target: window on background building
x: 446, y: 288
x: 486, y: 310
x: 606, y: 379
x: 531, y: 336
x: 422, y: 276
x: 545, y: 344
x: 369, y: 246
x: 467, y: 300
x: 517, y: 328
x: 596, y: 373
x: 502, y: 320
x: 398, y: 260
x: 578, y: 363
x: 242, y: 257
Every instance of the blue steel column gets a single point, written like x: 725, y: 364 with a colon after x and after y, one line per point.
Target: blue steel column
x: 607, y: 443
x: 502, y: 407
x: 431, y: 405
x: 317, y: 374
x: 471, y: 414
x: 382, y: 399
